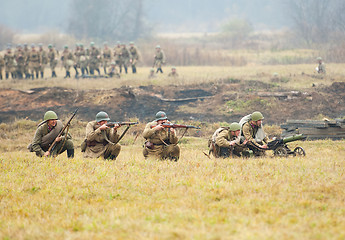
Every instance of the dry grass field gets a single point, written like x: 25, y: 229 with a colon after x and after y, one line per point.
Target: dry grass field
x: 194, y: 198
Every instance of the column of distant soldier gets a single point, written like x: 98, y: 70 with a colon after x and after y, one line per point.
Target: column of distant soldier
x: 30, y: 64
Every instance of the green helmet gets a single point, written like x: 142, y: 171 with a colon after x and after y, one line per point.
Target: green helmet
x: 256, y: 116
x: 92, y: 44
x: 161, y: 116
x: 235, y: 126
x: 50, y: 46
x: 319, y: 59
x: 102, y: 116
x: 49, y: 115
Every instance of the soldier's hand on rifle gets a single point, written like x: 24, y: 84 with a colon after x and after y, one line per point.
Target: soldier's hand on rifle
x: 158, y: 127
x: 58, y: 139
x: 104, y: 126
x: 46, y: 154
x: 264, y: 146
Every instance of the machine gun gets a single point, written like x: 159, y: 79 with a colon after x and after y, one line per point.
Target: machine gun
x: 281, y: 149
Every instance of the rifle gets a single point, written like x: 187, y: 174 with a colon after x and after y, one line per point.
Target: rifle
x: 128, y: 124
x: 53, y: 145
x: 171, y: 125
x: 112, y: 124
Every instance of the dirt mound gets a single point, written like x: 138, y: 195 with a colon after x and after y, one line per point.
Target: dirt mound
x: 212, y: 102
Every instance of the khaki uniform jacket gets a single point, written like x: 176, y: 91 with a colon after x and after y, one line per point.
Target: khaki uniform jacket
x: 42, y: 131
x: 117, y: 53
x: 224, y: 139
x: 249, y: 132
x: 96, y: 140
x: 156, y: 138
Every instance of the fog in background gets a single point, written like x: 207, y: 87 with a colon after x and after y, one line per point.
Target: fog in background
x: 37, y: 16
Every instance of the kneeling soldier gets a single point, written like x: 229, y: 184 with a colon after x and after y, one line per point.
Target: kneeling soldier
x: 227, y: 143
x: 101, y: 140
x: 160, y: 142
x: 253, y: 133
x: 47, y: 131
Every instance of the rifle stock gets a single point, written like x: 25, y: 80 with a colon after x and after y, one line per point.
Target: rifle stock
x: 112, y: 124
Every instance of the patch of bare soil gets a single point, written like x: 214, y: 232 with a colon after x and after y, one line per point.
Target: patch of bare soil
x: 202, y: 102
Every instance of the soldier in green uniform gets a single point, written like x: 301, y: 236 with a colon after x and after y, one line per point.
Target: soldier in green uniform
x: 159, y: 59
x: 226, y: 142
x: 106, y: 57
x: 34, y: 61
x: 9, y: 63
x: 160, y: 142
x: 125, y: 57
x: 2, y: 65
x: 253, y: 133
x: 117, y: 55
x: 94, y: 60
x: 83, y: 60
x: 101, y: 140
x: 112, y: 71
x: 44, y: 59
x: 53, y: 59
x: 67, y: 59
x: 26, y: 51
x: 152, y: 73
x: 321, y: 68
x: 173, y: 73
x: 19, y: 55
x: 134, y: 53
x: 76, y: 64
x: 46, y: 133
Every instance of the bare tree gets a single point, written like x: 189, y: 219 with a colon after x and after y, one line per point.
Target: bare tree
x: 107, y: 19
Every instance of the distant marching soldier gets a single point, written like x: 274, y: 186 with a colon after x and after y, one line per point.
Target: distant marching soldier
x: 67, y: 59
x: 26, y: 51
x: 321, y: 68
x: 125, y: 56
x: 134, y: 56
x: 117, y: 55
x: 20, y: 59
x: 34, y: 61
x: 2, y: 65
x: 83, y: 60
x: 53, y: 59
x: 94, y: 59
x: 106, y: 57
x: 159, y: 59
x: 44, y: 59
x: 9, y: 63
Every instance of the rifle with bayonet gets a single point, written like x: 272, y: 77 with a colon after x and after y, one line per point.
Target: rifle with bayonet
x: 171, y: 125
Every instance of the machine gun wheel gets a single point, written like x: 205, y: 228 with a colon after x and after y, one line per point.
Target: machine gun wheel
x: 281, y: 152
x: 299, y: 151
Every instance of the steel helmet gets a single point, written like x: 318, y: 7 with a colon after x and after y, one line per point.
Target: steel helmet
x: 102, y: 116
x: 235, y: 126
x: 256, y: 116
x: 49, y: 115
x: 161, y: 116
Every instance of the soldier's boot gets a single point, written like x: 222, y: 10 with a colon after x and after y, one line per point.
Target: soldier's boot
x: 0, y: 76
x: 126, y: 70
x: 66, y: 74
x: 36, y: 75
x: 70, y: 153
x: 13, y: 75
x: 69, y: 74
x: 91, y: 71
x: 99, y: 72
x: 105, y: 70
x: 6, y: 74
x: 134, y: 69
x: 87, y: 70
x: 82, y: 71
x: 42, y: 74
x: 76, y: 71
x: 120, y: 69
x: 32, y: 76
x: 159, y: 70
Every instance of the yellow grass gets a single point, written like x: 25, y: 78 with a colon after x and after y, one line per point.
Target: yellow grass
x: 193, y: 75
x: 194, y: 198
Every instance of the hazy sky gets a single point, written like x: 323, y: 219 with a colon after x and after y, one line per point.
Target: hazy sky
x: 163, y: 15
